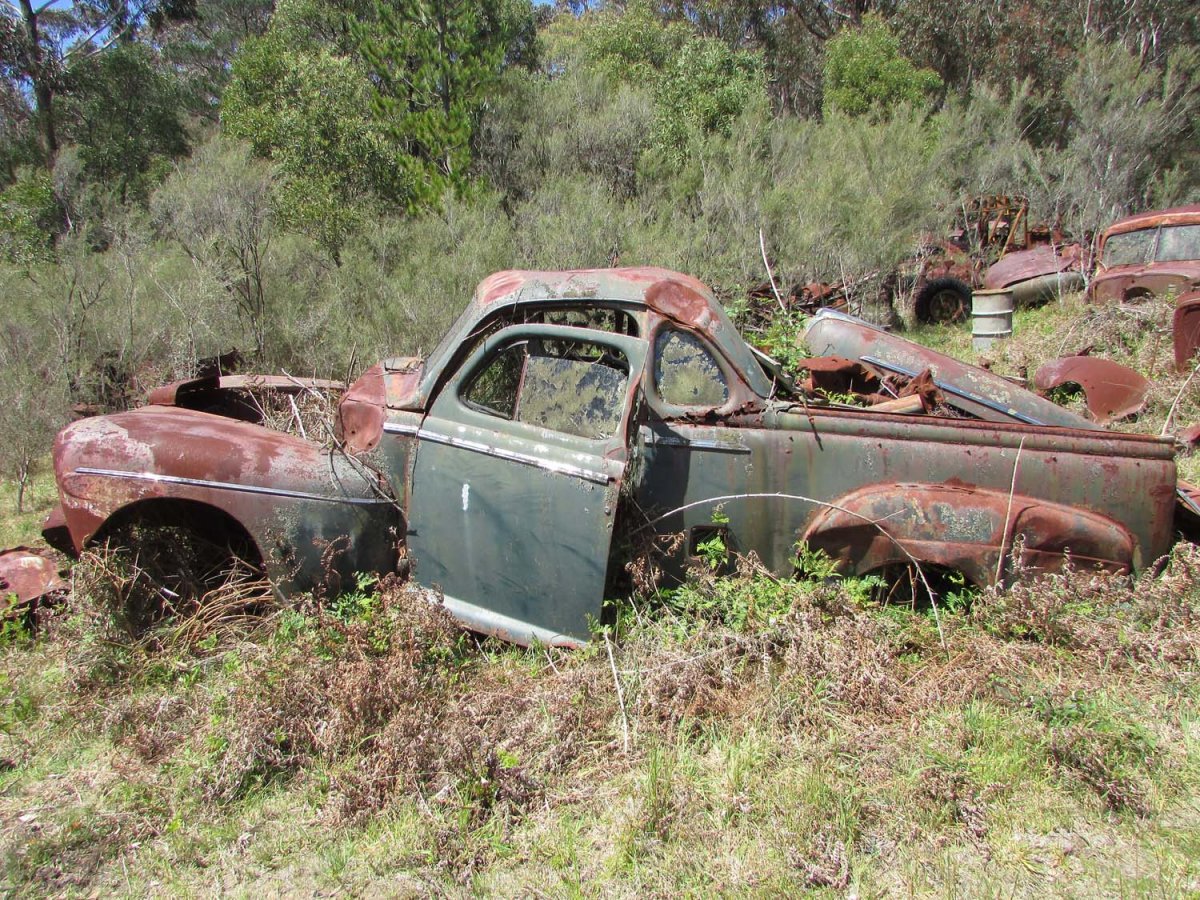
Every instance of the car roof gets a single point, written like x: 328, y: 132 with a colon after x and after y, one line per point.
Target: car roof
x: 671, y: 295
x: 1176, y: 215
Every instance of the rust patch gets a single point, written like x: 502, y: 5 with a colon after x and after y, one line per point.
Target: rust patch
x: 617, y: 283
x: 1186, y: 325
x: 1043, y: 259
x: 1113, y: 391
x: 402, y: 381
x: 359, y: 421
x: 837, y: 374
x: 29, y: 574
x: 681, y: 302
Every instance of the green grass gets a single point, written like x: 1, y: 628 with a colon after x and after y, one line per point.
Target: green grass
x: 833, y: 747
x: 40, y: 496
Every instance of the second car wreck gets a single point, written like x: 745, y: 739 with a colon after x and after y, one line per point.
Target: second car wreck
x: 567, y: 414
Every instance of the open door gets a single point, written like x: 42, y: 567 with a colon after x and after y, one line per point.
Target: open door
x: 517, y: 476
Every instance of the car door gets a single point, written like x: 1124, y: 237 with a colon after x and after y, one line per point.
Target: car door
x: 518, y: 471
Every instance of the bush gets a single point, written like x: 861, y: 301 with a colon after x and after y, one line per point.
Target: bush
x: 865, y: 73
x: 29, y: 219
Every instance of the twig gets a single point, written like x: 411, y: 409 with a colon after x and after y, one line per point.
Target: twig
x: 296, y: 416
x: 1178, y: 397
x: 762, y: 245
x: 620, y: 694
x: 1012, y: 489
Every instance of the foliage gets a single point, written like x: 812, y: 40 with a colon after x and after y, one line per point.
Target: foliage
x: 29, y: 218
x: 123, y: 114
x: 633, y: 45
x: 853, y: 195
x: 1132, y: 132
x: 218, y: 209
x: 37, y: 407
x: 703, y: 90
x: 431, y: 65
x: 307, y: 110
x: 865, y: 72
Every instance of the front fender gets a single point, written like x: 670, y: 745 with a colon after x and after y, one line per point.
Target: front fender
x: 963, y: 528
x: 292, y: 497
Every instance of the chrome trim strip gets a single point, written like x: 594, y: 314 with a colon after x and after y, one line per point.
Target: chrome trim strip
x: 659, y: 440
x: 504, y: 627
x: 227, y: 486
x: 526, y: 459
x: 400, y: 428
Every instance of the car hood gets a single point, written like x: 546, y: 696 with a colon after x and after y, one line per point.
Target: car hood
x: 1045, y: 259
x: 968, y: 388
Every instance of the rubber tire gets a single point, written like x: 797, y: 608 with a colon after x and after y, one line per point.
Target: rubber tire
x: 944, y: 301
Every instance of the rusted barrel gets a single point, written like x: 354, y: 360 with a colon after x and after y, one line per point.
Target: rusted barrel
x: 991, y: 316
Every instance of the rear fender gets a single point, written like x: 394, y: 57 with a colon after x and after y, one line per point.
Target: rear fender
x: 294, y: 499
x: 964, y: 529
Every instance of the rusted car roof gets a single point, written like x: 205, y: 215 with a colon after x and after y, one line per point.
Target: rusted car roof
x: 1174, y: 216
x: 669, y: 294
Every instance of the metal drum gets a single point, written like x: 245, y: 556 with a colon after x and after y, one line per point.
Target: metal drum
x: 991, y: 317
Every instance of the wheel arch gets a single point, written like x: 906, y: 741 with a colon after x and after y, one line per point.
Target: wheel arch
x: 963, y: 529
x: 203, y: 518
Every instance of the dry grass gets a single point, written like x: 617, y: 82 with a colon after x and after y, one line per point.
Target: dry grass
x: 823, y: 738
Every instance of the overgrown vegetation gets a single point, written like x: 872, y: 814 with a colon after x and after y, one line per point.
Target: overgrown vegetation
x: 179, y: 180
x: 749, y: 735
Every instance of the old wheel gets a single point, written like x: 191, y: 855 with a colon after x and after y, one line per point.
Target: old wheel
x: 943, y: 301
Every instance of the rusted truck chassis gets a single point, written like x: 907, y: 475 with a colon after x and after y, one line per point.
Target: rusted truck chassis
x: 570, y: 418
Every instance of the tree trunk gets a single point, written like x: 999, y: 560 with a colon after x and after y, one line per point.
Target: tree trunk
x: 43, y: 89
x: 22, y: 483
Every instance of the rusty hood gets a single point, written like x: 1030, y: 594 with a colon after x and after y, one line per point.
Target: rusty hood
x: 968, y: 388
x: 1023, y: 265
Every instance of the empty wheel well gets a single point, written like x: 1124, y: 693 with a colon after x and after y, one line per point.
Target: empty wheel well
x: 200, y: 519
x: 904, y: 585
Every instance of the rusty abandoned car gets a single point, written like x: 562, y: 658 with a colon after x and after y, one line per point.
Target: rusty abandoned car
x: 1155, y: 253
x: 567, y: 414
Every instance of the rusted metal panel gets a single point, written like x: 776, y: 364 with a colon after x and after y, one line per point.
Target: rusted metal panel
x: 1151, y: 253
x: 28, y: 574
x: 517, y: 480
x: 1036, y: 263
x: 965, y: 528
x: 1113, y: 391
x: 974, y: 390
x: 1186, y: 326
x: 1126, y: 284
x: 360, y: 414
x: 292, y: 497
x: 776, y: 474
